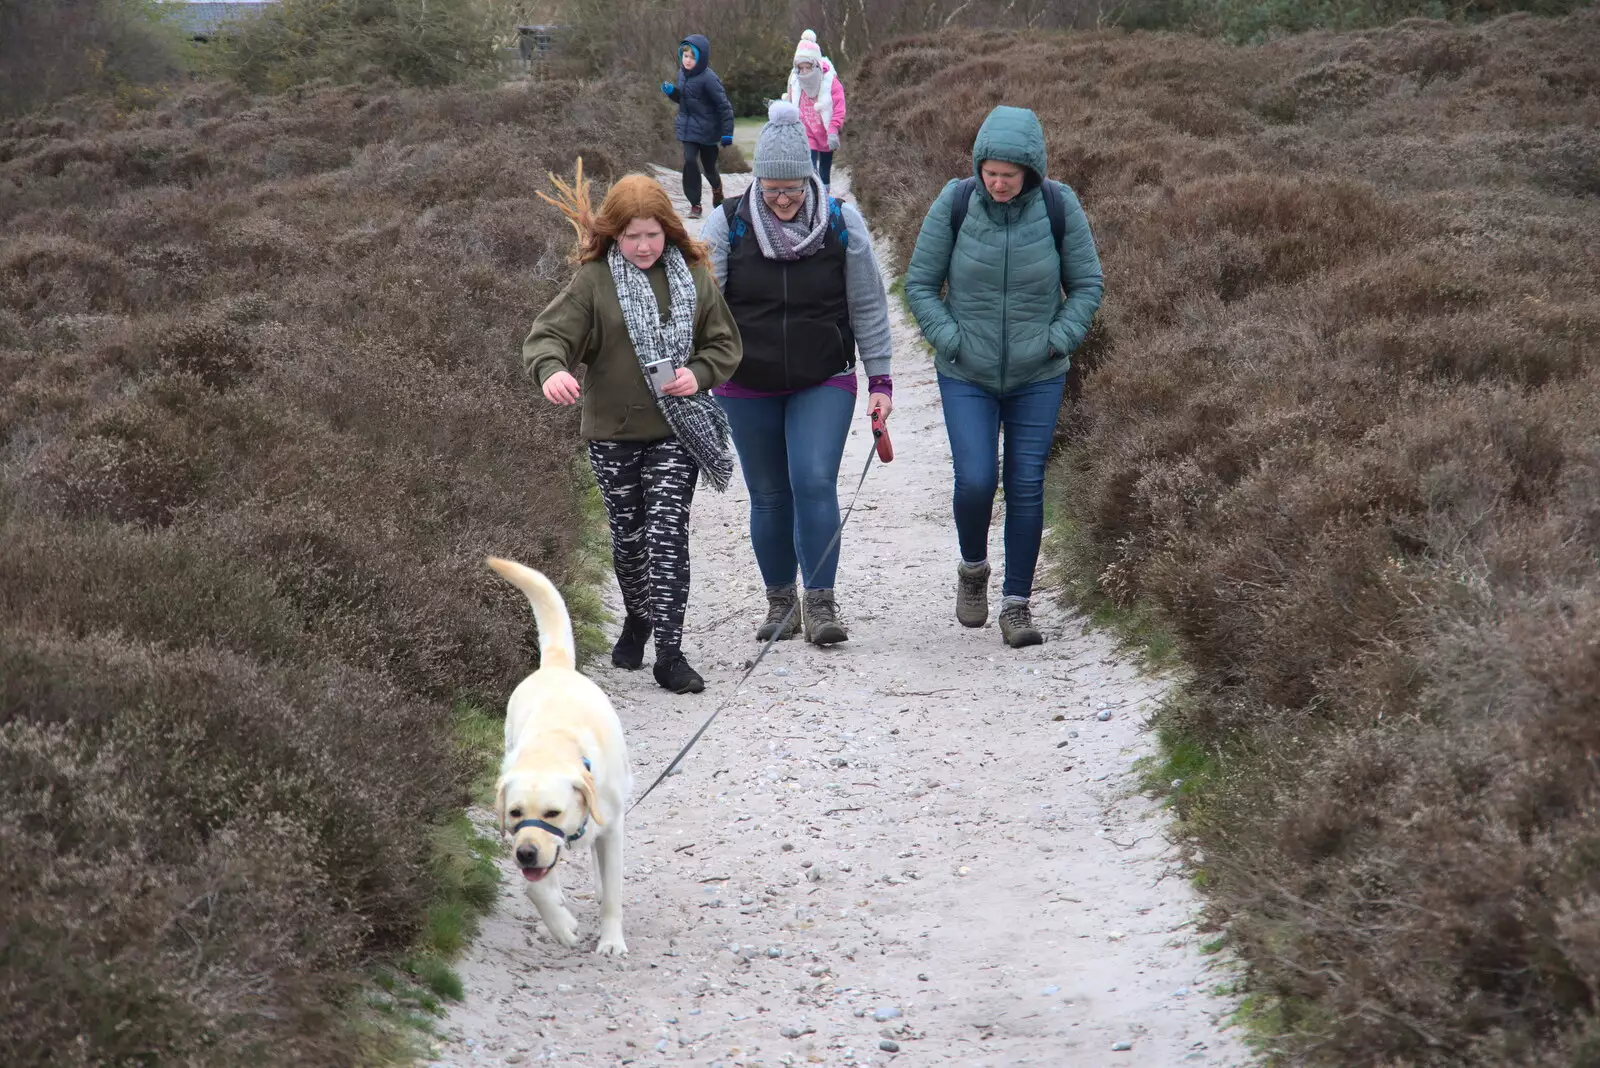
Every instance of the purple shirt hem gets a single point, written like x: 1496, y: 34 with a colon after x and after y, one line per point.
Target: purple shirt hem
x: 875, y: 383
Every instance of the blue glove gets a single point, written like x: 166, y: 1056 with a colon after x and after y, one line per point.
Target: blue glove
x: 667, y: 87
x: 727, y: 139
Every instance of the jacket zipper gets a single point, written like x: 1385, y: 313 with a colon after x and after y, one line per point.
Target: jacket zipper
x: 1005, y: 302
x: 785, y: 326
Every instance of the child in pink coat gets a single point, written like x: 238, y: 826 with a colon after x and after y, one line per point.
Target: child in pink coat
x: 820, y: 97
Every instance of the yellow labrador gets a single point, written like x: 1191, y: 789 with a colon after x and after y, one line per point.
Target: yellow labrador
x: 565, y: 776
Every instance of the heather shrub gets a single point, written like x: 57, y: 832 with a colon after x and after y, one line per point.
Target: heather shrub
x: 1337, y: 429
x: 261, y: 417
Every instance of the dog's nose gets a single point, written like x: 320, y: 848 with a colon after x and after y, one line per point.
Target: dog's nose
x: 527, y: 855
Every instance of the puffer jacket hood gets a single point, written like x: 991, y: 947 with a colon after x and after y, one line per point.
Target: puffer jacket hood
x: 1012, y: 135
x: 702, y: 51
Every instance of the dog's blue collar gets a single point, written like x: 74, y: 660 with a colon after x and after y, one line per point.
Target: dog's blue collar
x: 552, y: 828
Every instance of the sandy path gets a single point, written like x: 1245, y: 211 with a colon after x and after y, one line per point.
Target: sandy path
x: 919, y: 840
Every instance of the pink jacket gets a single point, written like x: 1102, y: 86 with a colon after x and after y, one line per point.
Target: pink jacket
x: 824, y: 115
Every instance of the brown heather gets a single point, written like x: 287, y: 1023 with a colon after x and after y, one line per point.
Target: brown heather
x: 1341, y: 425
x: 261, y: 416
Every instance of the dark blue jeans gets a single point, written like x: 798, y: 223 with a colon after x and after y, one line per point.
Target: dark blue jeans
x: 789, y: 449
x: 974, y: 418
x: 823, y: 162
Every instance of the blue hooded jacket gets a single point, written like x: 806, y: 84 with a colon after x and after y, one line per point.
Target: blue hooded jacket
x: 704, y: 114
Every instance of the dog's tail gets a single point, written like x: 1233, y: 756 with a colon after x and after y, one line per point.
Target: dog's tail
x: 556, y: 647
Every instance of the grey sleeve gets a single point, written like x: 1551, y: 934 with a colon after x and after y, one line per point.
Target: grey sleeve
x: 869, y: 303
x: 714, y: 233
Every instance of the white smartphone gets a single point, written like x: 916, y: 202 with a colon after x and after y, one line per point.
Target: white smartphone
x: 658, y: 374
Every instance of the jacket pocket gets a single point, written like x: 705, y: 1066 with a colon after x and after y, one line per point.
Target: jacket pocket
x: 629, y: 420
x: 951, y: 350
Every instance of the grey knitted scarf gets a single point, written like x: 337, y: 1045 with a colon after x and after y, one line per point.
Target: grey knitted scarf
x: 777, y: 240
x: 698, y: 421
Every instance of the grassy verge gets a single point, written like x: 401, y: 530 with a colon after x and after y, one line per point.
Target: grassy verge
x: 590, y: 567
x: 1139, y: 627
x: 403, y: 1001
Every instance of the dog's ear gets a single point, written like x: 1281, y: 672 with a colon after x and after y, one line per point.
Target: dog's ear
x: 585, y: 786
x: 500, y: 802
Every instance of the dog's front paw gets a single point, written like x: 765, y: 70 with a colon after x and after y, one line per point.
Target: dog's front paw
x: 563, y: 927
x: 612, y: 946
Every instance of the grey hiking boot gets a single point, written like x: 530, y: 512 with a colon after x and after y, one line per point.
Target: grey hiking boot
x: 822, y: 619
x: 780, y: 604
x: 1016, y: 624
x: 972, y: 594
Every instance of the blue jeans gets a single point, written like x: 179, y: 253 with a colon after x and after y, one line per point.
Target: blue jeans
x: 973, y: 418
x: 789, y: 449
x: 823, y: 162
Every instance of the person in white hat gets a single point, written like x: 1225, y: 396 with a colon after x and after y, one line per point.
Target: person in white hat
x: 815, y: 89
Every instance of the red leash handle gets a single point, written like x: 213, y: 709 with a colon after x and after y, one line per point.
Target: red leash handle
x: 880, y: 432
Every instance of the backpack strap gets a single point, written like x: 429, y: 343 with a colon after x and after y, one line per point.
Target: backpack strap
x: 836, y: 222
x: 736, y: 225
x: 1055, y: 205
x: 958, y: 207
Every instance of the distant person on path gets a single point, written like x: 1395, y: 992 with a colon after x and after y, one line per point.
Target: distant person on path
x: 1024, y: 282
x: 817, y: 91
x: 705, y: 118
x: 801, y: 278
x: 642, y: 294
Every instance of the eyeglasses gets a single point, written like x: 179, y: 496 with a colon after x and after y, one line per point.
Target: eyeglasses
x: 790, y: 194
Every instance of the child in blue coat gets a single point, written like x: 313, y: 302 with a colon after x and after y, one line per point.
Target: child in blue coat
x: 705, y: 118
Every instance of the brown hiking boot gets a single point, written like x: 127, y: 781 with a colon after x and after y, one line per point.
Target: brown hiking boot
x: 972, y: 594
x: 822, y: 619
x: 1016, y: 625
x: 781, y: 612
x: 716, y: 196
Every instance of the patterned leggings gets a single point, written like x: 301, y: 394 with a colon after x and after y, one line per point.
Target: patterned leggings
x: 648, y: 486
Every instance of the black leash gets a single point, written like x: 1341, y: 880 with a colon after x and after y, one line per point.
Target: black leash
x: 837, y: 534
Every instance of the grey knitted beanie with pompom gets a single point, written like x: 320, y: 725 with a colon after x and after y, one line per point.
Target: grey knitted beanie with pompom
x: 781, y: 149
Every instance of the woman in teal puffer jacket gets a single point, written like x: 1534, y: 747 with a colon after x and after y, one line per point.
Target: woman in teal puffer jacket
x: 1018, y: 300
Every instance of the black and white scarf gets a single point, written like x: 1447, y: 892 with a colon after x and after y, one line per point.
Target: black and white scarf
x: 697, y: 420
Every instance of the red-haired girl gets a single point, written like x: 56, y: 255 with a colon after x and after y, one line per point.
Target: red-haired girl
x: 649, y: 327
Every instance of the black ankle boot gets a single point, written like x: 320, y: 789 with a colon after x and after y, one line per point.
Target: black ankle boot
x: 629, y: 650
x: 675, y: 674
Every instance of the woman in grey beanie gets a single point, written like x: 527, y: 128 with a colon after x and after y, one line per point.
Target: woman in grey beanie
x: 799, y: 274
